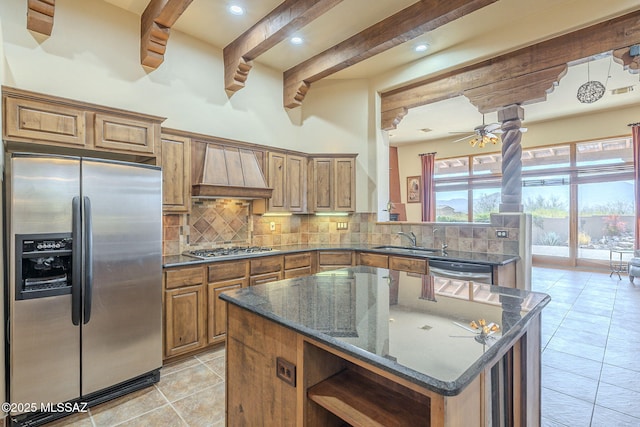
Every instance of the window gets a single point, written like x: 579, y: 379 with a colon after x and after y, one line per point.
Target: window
x: 580, y: 196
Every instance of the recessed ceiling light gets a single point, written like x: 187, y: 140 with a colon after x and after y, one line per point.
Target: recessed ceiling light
x: 296, y: 40
x: 421, y: 47
x: 234, y: 9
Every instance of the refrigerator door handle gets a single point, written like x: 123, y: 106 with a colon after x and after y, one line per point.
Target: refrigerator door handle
x: 76, y: 261
x: 88, y: 259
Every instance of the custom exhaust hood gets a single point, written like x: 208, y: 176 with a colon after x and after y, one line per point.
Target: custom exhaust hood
x: 226, y: 171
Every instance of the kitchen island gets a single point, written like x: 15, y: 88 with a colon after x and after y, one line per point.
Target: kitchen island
x: 372, y: 346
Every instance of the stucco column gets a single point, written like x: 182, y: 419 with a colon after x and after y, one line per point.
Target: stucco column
x: 511, y: 196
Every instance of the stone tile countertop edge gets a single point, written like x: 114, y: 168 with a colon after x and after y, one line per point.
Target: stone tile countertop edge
x: 454, y: 256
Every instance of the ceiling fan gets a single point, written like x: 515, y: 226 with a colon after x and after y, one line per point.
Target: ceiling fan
x: 484, y: 133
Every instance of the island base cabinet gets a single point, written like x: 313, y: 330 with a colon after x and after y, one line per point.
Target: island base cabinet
x: 255, y: 396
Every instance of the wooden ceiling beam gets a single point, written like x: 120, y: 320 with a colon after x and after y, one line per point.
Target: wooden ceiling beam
x: 510, y: 71
x: 40, y: 16
x: 280, y: 23
x: 403, y: 26
x: 155, y: 25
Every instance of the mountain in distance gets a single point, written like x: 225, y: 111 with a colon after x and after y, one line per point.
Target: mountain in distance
x: 458, y: 205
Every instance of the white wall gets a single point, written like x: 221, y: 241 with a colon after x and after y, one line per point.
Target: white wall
x: 606, y: 124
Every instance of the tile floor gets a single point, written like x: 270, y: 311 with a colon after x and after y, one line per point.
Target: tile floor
x: 190, y: 393
x: 591, y: 349
x: 590, y: 372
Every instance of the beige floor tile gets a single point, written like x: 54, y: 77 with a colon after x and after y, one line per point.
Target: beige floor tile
x: 81, y: 419
x: 187, y: 381
x: 179, y: 365
x: 127, y: 407
x: 164, y: 416
x: 217, y: 365
x: 203, y: 409
x: 210, y: 354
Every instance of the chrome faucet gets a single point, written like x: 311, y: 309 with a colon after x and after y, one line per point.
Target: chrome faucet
x: 410, y: 235
x: 444, y: 242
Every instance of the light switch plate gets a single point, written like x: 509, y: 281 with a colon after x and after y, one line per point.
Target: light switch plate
x: 272, y: 226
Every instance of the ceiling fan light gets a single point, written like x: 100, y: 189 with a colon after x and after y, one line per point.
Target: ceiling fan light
x: 494, y: 140
x: 473, y: 142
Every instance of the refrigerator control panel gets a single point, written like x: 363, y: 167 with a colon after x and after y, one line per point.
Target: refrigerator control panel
x: 33, y: 245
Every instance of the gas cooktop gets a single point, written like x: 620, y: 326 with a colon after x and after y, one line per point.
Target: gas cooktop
x: 222, y: 252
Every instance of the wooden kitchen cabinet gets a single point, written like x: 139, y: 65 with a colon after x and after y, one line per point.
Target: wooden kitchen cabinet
x: 265, y: 269
x: 287, y: 175
x: 176, y: 170
x: 332, y: 260
x: 49, y: 120
x: 410, y: 265
x: 185, y: 314
x: 222, y: 276
x: 332, y: 184
x: 373, y: 260
x: 298, y: 265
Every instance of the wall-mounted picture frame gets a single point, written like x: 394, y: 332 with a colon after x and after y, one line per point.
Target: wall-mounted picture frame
x: 413, y: 189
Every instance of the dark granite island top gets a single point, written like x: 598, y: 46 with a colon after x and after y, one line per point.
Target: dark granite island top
x: 413, y: 327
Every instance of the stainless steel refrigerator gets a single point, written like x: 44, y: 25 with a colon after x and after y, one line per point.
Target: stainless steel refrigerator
x: 84, y: 245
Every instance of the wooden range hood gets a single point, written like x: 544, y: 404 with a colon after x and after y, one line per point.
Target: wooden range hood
x: 222, y: 171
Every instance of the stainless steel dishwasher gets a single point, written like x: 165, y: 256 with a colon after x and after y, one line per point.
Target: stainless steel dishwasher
x: 461, y: 271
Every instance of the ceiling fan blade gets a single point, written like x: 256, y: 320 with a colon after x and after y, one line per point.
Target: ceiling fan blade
x: 466, y: 137
x: 462, y: 131
x: 491, y: 127
x: 523, y: 130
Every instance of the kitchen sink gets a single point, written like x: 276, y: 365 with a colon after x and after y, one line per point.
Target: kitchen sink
x: 407, y: 249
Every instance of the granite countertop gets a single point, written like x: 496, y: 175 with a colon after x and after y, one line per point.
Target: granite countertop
x: 406, y: 324
x: 457, y: 256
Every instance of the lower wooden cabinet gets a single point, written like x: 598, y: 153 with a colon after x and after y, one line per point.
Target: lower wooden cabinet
x: 185, y: 320
x: 332, y: 260
x: 410, y: 265
x: 373, y: 260
x: 217, y: 309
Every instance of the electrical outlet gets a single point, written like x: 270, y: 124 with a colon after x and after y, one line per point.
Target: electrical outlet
x: 272, y: 226
x: 502, y: 234
x: 286, y: 371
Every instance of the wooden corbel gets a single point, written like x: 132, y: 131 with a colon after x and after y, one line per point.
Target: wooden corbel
x: 623, y: 57
x: 521, y: 90
x: 156, y: 22
x: 40, y: 16
x: 391, y: 118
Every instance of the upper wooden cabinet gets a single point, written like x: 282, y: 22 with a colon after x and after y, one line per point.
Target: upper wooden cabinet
x: 176, y: 173
x: 332, y: 183
x: 287, y: 175
x: 48, y: 120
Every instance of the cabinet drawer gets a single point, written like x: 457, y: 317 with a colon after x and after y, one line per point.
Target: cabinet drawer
x: 219, y: 271
x: 264, y: 278
x: 297, y: 260
x: 411, y: 265
x: 183, y: 277
x: 335, y: 258
x: 265, y: 265
x: 373, y: 260
x: 297, y: 272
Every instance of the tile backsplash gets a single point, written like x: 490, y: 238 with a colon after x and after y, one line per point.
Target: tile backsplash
x: 224, y: 222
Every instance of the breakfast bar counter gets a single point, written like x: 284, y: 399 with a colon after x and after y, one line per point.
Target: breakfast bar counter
x: 366, y: 345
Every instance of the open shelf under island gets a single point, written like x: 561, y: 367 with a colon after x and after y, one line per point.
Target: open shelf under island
x: 368, y: 346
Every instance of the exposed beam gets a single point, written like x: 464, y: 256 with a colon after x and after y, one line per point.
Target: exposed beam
x: 40, y: 16
x: 511, y: 69
x: 280, y: 23
x: 403, y: 26
x: 156, y: 22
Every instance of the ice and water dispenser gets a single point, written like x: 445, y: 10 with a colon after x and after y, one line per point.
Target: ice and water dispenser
x: 43, y: 265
